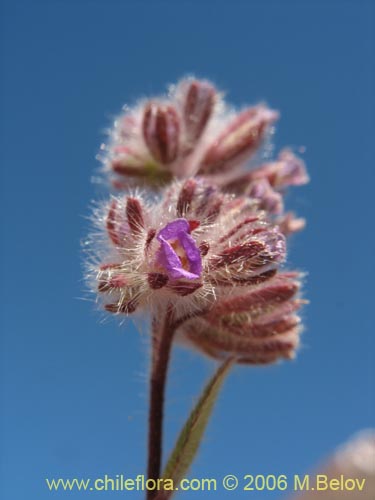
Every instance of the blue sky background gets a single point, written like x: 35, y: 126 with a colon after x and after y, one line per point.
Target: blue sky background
x: 73, y: 389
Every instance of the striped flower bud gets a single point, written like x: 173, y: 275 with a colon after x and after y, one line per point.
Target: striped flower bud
x: 128, y: 160
x: 161, y: 129
x: 239, y: 140
x: 198, y: 106
x: 287, y: 170
x: 269, y: 200
x: 257, y: 326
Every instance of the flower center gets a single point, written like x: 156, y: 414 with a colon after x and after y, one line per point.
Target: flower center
x: 178, y: 253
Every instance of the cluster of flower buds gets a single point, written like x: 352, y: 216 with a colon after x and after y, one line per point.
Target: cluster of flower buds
x: 257, y: 324
x: 212, y: 242
x: 215, y: 256
x: 193, y: 133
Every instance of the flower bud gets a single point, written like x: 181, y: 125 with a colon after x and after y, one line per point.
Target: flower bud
x: 269, y: 200
x: 287, y: 170
x: 261, y: 299
x: 239, y: 141
x: 161, y: 130
x: 112, y: 223
x: 134, y: 214
x: 199, y: 200
x: 219, y: 343
x: 209, y: 203
x: 254, y: 250
x: 256, y: 327
x: 186, y: 196
x: 197, y: 109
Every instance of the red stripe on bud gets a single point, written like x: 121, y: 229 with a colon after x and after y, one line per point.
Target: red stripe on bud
x: 243, y: 281
x: 112, y: 224
x: 199, y: 104
x: 123, y: 308
x: 161, y: 129
x: 134, y: 214
x: 184, y: 288
x: 274, y: 328
x: 245, y: 222
x: 150, y: 236
x: 105, y: 267
x: 255, y: 280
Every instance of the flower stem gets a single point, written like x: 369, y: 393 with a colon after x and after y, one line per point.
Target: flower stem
x: 162, y: 336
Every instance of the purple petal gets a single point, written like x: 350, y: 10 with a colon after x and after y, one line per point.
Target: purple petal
x: 167, y: 257
x: 172, y: 229
x: 192, y: 253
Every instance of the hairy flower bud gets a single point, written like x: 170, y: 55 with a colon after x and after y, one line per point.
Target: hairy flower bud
x: 287, y: 170
x: 134, y: 214
x: 257, y: 327
x: 128, y: 157
x: 239, y: 140
x: 161, y: 128
x: 269, y: 200
x: 112, y: 224
x: 198, y: 107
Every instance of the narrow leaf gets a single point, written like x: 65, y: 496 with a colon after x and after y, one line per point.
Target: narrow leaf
x: 191, y: 434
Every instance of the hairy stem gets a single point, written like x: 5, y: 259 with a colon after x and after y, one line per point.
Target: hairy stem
x: 162, y: 336
x: 191, y: 435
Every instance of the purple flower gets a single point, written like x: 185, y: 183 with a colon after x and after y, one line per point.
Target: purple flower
x: 178, y: 253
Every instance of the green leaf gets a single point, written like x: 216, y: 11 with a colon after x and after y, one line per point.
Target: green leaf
x: 191, y: 435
